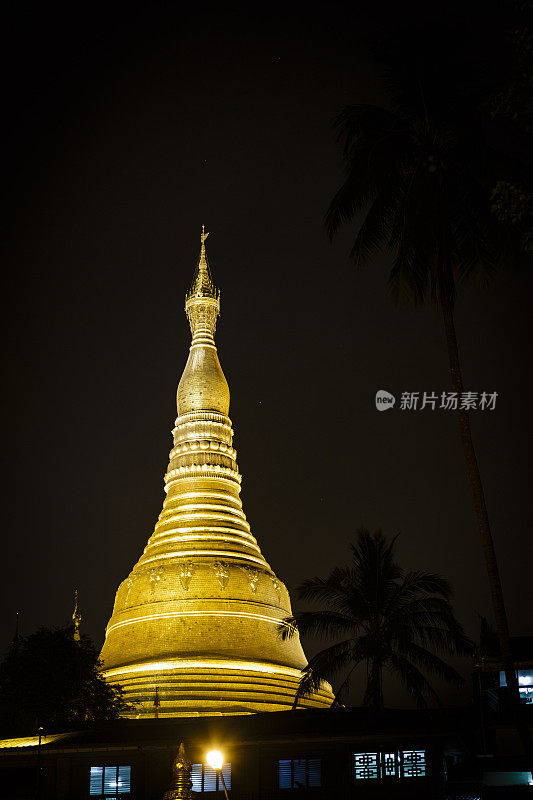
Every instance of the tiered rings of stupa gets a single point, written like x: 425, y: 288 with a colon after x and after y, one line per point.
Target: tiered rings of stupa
x: 196, y: 623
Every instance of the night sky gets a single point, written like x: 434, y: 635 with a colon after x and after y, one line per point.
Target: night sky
x: 125, y: 131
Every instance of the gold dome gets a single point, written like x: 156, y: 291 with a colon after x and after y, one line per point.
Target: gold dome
x: 197, y: 618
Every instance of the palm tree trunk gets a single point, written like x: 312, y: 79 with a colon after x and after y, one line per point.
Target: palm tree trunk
x: 374, y: 687
x: 345, y: 682
x: 487, y: 543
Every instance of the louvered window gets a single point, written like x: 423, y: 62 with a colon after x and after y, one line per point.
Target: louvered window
x: 390, y: 764
x: 96, y: 781
x: 206, y: 779
x: 299, y: 773
x: 106, y: 783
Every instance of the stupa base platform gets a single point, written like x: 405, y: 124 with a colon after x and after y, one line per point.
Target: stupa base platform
x: 210, y: 687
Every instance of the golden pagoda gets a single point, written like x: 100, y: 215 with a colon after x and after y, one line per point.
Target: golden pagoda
x: 196, y: 621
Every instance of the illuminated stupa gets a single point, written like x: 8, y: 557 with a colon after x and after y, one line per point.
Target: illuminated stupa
x: 195, y: 624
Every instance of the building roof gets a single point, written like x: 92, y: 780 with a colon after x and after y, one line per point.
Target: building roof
x: 306, y: 725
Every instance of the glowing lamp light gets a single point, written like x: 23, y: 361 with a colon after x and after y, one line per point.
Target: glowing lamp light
x: 215, y: 759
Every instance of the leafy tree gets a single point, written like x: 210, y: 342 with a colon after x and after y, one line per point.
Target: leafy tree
x: 512, y: 97
x: 510, y: 106
x: 512, y: 204
x: 420, y: 174
x: 48, y: 679
x: 383, y: 618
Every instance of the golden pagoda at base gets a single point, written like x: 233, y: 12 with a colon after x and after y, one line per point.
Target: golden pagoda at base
x: 195, y: 625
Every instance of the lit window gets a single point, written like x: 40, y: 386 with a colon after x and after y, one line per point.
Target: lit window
x: 366, y: 766
x: 413, y: 763
x: 525, y: 684
x: 390, y: 764
x: 205, y: 779
x: 300, y: 773
x: 109, y: 782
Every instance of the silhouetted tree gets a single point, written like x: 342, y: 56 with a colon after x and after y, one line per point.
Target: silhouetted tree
x: 510, y: 105
x: 421, y: 174
x: 383, y: 618
x: 51, y: 680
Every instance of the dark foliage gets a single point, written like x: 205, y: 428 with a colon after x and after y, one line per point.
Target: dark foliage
x: 385, y: 619
x: 47, y: 679
x: 427, y: 172
x: 441, y: 189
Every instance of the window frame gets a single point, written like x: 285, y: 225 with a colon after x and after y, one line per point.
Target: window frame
x: 218, y: 781
x: 103, y: 794
x: 381, y: 765
x: 307, y: 759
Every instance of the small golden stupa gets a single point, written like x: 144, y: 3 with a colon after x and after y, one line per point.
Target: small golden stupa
x: 196, y: 621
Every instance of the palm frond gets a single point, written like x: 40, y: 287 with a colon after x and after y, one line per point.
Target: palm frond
x: 395, y: 620
x: 374, y: 143
x: 344, y: 687
x: 413, y: 680
x: 374, y: 233
x: 419, y: 582
x: 325, y: 624
x: 339, y: 591
x: 420, y: 612
x: 332, y: 660
x: 373, y: 564
x: 441, y: 636
x: 332, y: 588
x: 409, y: 276
x: 354, y: 195
x: 363, y: 121
x: 310, y: 682
x: 432, y: 664
x: 287, y: 628
x: 324, y: 666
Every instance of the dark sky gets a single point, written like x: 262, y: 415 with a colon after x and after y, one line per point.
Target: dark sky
x: 125, y: 131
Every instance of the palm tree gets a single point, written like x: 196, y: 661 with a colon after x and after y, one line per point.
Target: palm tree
x: 385, y: 619
x: 420, y: 174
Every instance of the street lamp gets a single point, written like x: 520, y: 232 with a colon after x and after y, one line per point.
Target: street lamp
x: 215, y: 759
x: 39, y: 770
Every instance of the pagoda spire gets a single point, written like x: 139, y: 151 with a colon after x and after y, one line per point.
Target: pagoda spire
x: 202, y: 283
x: 15, y: 642
x: 199, y: 615
x: 76, y: 618
x: 181, y: 788
x: 202, y: 386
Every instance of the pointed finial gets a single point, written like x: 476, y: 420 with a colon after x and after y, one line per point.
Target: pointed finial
x: 76, y: 618
x: 15, y: 643
x: 202, y: 283
x: 181, y: 777
x: 202, y: 264
x: 157, y: 702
